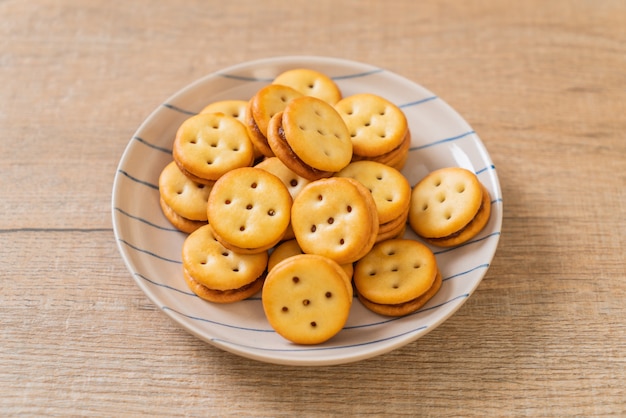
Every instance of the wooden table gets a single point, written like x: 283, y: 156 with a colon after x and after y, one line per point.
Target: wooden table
x: 543, y: 83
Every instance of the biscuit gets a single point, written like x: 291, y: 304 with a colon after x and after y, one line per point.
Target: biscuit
x: 235, y: 109
x: 305, y: 299
x: 310, y: 138
x: 249, y: 209
x: 179, y: 222
x: 390, y: 189
x: 397, y: 277
x: 395, y: 158
x: 218, y: 274
x: 449, y: 206
x: 182, y: 200
x: 376, y: 125
x: 267, y: 101
x: 290, y: 248
x: 208, y: 145
x: 335, y: 217
x: 310, y: 83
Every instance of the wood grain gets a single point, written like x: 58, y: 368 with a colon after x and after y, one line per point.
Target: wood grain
x: 542, y: 83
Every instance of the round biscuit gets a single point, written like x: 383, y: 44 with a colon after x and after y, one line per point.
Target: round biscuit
x: 390, y: 189
x: 179, y: 222
x: 376, y: 125
x: 395, y: 271
x: 444, y: 202
x: 268, y: 101
x: 317, y: 134
x: 294, y: 182
x: 184, y: 196
x: 211, y: 264
x: 208, y: 145
x: 233, y: 108
x: 305, y: 299
x: 290, y: 248
x: 333, y: 218
x: 471, y: 229
x: 310, y: 83
x: 249, y: 208
x: 405, y: 308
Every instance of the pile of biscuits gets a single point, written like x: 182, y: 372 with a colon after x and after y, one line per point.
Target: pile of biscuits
x: 297, y: 192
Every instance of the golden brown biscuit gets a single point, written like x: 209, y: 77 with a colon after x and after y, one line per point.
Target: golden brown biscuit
x: 376, y: 125
x: 305, y: 299
x: 249, y: 209
x: 310, y: 138
x: 335, y: 217
x: 208, y: 145
x: 268, y: 101
x: 397, y: 277
x: 218, y: 274
x: 182, y: 200
x: 449, y: 206
x: 310, y: 83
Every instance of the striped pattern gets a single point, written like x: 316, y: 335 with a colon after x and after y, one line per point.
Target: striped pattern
x: 151, y: 247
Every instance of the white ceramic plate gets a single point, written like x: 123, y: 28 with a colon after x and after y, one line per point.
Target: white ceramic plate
x: 151, y: 247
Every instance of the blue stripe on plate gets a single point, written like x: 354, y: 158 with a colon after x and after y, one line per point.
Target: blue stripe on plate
x: 417, y: 102
x: 135, y: 179
x: 188, y: 293
x: 179, y: 109
x: 141, y: 250
x: 163, y: 228
x: 156, y: 147
x: 442, y: 141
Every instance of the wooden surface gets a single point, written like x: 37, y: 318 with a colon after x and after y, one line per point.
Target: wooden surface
x: 543, y: 84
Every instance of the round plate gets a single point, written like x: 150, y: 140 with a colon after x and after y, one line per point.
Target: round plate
x: 151, y: 247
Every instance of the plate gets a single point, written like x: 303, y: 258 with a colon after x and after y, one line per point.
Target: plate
x: 151, y: 247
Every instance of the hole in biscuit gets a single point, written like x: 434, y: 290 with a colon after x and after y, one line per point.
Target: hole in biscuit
x: 341, y: 241
x: 253, y: 185
x: 372, y: 273
x: 331, y: 220
x: 235, y: 149
x: 448, y: 216
x: 193, y: 141
x: 179, y: 192
x: 213, y: 145
x: 293, y: 182
x: 295, y: 279
x: 328, y: 295
x: 225, y: 254
x: 367, y: 124
x: 215, y: 126
x: 417, y: 266
x: 442, y: 198
x: 227, y: 201
x: 306, y: 302
x: 310, y: 85
x: 236, y: 269
x: 394, y: 269
x: 209, y: 162
x: 395, y: 286
x: 391, y: 252
x: 283, y: 99
x: 200, y: 186
x: 425, y: 206
x: 242, y: 228
x: 203, y: 262
x: 313, y: 324
x: 460, y: 188
x: 382, y: 112
x: 285, y: 309
x: 389, y: 199
x: 437, y: 182
x: 249, y: 206
x: 349, y: 208
x: 271, y: 212
x: 313, y: 228
x: 320, y: 197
